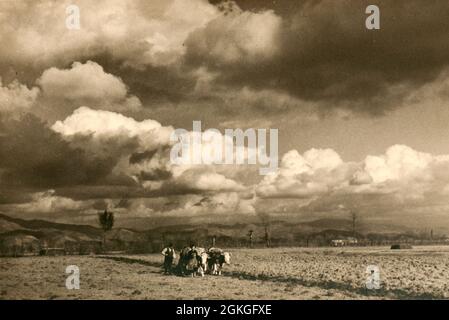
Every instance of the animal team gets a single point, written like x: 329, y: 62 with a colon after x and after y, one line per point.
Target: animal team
x: 195, y: 261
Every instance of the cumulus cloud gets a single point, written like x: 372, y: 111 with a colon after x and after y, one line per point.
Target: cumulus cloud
x: 142, y: 151
x: 399, y: 163
x: 401, y: 171
x: 16, y: 97
x: 229, y: 203
x: 112, y: 134
x: 97, y: 154
x: 138, y: 207
x: 237, y: 37
x: 99, y: 123
x: 48, y: 202
x: 313, y: 173
x: 207, y: 181
x: 136, y: 145
x: 87, y: 84
x: 137, y: 33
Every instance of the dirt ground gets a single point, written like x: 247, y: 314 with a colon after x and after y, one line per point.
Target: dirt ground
x: 280, y: 273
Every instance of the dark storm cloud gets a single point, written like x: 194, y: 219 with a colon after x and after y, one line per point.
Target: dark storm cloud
x: 155, y: 175
x: 14, y: 195
x: 316, y: 51
x: 106, y: 147
x: 327, y: 54
x: 140, y: 156
x: 33, y: 155
x: 122, y: 191
x: 123, y: 203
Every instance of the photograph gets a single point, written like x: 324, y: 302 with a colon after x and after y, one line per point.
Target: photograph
x: 251, y: 152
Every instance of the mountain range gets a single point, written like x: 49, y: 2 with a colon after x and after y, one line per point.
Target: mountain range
x: 319, y: 231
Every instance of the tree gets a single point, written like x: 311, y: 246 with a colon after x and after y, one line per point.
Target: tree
x: 106, y: 220
x: 267, y: 236
x: 250, y: 236
x: 265, y: 218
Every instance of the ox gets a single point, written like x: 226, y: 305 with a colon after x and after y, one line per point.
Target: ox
x: 192, y: 261
x: 203, y: 256
x: 217, y: 258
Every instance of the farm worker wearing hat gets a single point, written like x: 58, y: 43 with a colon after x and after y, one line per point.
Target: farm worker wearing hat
x: 169, y: 254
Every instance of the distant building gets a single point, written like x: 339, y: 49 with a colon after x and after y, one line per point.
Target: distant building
x: 344, y: 242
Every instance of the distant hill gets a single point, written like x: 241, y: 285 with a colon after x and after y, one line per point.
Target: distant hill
x: 58, y: 235
x: 14, y: 231
x: 327, y: 223
x: 278, y: 228
x: 10, y: 224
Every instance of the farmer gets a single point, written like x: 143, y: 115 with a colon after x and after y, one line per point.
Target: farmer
x: 169, y: 254
x: 192, y: 263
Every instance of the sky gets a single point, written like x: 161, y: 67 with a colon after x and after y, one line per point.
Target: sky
x: 86, y: 114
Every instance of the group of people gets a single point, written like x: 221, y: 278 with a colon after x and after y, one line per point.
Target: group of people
x: 194, y: 260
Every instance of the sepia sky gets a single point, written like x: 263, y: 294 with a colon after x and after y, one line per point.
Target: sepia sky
x: 86, y: 115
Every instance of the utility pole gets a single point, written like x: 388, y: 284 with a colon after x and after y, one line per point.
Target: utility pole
x: 354, y: 219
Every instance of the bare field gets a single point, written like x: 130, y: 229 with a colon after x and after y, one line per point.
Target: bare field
x: 280, y: 273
